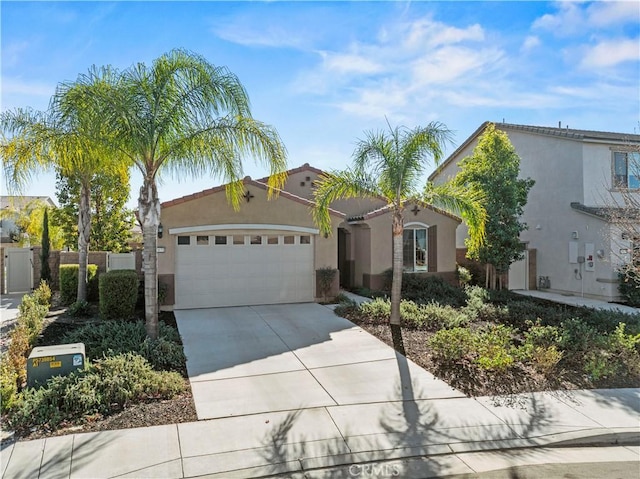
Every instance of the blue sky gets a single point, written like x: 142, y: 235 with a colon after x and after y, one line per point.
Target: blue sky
x: 323, y: 73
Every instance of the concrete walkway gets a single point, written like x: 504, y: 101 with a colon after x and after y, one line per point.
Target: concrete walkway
x: 579, y: 301
x: 296, y: 390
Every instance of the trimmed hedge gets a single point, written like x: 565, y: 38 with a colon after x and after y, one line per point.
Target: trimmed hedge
x: 13, y: 365
x: 69, y: 283
x: 118, y: 294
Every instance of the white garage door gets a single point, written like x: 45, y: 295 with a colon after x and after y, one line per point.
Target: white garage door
x: 238, y: 270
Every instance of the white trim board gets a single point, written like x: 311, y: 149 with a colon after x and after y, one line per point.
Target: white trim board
x: 240, y: 226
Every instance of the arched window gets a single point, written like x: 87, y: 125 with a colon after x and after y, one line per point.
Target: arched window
x: 415, y: 247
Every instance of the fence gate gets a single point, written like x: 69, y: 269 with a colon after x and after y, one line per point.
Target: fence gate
x: 19, y: 269
x: 121, y: 261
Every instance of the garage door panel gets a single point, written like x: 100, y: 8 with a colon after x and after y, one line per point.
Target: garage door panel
x: 234, y: 275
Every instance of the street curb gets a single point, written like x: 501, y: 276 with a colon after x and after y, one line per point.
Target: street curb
x: 583, y: 438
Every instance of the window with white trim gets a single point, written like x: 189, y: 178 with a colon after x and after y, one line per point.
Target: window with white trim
x: 414, y: 249
x: 626, y: 169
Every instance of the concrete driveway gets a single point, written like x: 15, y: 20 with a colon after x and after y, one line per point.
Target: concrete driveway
x: 258, y: 359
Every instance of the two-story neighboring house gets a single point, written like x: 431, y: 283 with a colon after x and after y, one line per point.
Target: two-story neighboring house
x: 580, y: 175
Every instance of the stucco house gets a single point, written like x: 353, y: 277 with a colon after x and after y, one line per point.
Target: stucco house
x: 571, y: 245
x: 269, y: 251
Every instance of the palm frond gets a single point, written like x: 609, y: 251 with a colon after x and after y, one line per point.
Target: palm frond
x: 337, y: 185
x: 461, y: 201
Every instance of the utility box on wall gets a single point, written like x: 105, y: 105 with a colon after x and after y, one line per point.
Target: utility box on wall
x: 47, y: 361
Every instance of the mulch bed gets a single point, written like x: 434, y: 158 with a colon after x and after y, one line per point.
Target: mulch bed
x: 482, y: 383
x: 152, y: 413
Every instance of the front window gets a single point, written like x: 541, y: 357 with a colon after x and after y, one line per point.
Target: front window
x: 414, y: 249
x: 626, y: 169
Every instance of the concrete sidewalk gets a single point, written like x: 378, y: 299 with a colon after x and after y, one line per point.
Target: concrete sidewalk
x: 406, y: 438
x: 579, y: 301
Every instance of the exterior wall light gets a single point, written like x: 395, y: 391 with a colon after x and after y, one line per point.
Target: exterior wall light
x: 160, y: 230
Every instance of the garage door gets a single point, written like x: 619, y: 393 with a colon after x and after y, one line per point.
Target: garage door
x: 241, y: 269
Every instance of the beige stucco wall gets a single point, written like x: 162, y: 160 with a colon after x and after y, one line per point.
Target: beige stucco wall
x: 298, y: 185
x: 382, y: 240
x: 213, y: 209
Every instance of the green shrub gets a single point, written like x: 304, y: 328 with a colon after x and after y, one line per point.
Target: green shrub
x: 69, y: 283
x: 19, y: 348
x: 629, y: 286
x: 8, y: 384
x: 544, y: 358
x: 104, y: 387
x: 432, y: 316
x: 538, y: 335
x: 600, y: 366
x: 427, y: 289
x: 346, y: 307
x: 494, y: 349
x: 164, y: 354
x: 608, y: 321
x: 464, y: 275
x: 450, y: 346
x: 22, y: 338
x: 42, y: 294
x: 118, y: 294
x: 577, y: 338
x: 109, y: 338
x: 477, y: 300
x: 377, y: 310
x: 490, y: 349
x: 325, y: 277
x: 79, y: 309
x: 32, y: 316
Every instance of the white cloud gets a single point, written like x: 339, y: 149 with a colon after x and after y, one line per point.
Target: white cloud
x: 569, y: 20
x: 575, y: 17
x: 347, y: 63
x: 610, y: 53
x: 394, y: 73
x: 449, y: 64
x: 429, y: 33
x: 530, y: 42
x: 612, y: 13
x: 275, y: 37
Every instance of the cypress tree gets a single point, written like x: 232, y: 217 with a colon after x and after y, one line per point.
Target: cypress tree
x: 45, y: 272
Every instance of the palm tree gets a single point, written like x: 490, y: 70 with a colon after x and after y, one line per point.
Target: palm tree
x: 68, y: 137
x: 185, y: 115
x: 389, y: 165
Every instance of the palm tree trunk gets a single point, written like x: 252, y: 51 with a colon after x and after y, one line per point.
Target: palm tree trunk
x: 149, y: 213
x: 84, y: 234
x: 396, y: 283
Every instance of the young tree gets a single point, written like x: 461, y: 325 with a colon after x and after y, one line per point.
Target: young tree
x: 389, y: 165
x: 45, y: 271
x: 71, y: 137
x: 111, y: 221
x: 183, y: 115
x: 493, y: 170
x: 28, y: 220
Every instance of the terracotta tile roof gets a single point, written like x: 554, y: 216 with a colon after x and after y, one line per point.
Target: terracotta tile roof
x: 387, y: 209
x: 305, y: 167
x: 246, y: 181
